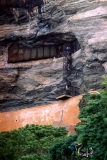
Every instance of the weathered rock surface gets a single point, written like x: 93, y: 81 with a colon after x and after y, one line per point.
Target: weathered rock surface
x: 28, y: 84
x: 51, y: 22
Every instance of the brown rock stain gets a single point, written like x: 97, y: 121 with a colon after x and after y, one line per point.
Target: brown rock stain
x: 64, y: 113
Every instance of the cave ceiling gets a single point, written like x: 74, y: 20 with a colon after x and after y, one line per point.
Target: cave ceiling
x: 26, y: 22
x: 7, y: 5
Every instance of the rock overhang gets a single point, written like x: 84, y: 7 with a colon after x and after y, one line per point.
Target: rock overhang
x: 58, y: 24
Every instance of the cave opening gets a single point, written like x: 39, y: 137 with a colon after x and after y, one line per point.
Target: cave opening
x: 17, y: 52
x: 45, y: 49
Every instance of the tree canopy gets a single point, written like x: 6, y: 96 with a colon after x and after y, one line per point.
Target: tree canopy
x: 91, y: 132
x: 30, y: 142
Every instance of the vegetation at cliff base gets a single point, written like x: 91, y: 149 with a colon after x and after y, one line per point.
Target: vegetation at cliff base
x: 91, y: 132
x: 29, y: 143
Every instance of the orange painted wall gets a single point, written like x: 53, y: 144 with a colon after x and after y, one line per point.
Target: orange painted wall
x: 64, y: 113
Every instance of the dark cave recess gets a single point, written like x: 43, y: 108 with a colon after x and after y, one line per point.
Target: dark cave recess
x: 18, y: 53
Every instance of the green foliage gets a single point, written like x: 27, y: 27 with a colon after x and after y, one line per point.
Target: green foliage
x: 104, y: 83
x: 83, y: 102
x: 29, y: 143
x: 91, y: 131
x: 61, y: 150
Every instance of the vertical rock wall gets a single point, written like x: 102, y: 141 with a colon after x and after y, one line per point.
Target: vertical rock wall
x: 48, y: 23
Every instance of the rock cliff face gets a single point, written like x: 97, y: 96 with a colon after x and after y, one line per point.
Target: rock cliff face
x: 31, y: 30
